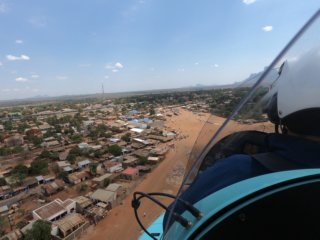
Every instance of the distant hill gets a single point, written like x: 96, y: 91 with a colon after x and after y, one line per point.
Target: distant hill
x: 253, y: 78
x: 248, y: 82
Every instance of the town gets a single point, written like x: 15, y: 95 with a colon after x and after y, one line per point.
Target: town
x: 65, y: 165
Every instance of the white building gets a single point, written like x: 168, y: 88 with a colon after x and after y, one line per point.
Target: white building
x: 54, y: 210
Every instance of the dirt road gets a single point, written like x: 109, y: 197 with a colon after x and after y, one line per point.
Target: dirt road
x: 121, y: 223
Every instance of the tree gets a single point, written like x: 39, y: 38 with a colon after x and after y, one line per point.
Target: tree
x: 93, y: 168
x: 152, y: 111
x: 142, y: 160
x: 3, y: 225
x: 3, y: 182
x: 115, y: 150
x: 41, y: 230
x: 126, y: 137
x: 39, y: 166
x: 106, y: 182
x: 44, y: 154
x: 20, y: 168
x: 63, y: 175
x: 76, y: 138
x: 19, y: 173
x: 22, y: 127
x: 34, y: 139
x: 76, y: 151
x: 83, y: 187
x: 71, y: 158
x: 8, y: 125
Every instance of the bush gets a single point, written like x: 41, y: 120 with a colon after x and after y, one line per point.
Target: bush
x: 39, y: 166
x: 115, y: 150
x: 41, y: 230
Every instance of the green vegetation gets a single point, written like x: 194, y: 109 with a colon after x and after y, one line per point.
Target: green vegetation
x: 126, y: 137
x: 3, y: 225
x: 93, y: 168
x: 19, y: 173
x: 39, y: 166
x: 83, y: 187
x: 98, y: 131
x: 106, y: 182
x: 41, y: 230
x: 142, y: 160
x: 115, y: 150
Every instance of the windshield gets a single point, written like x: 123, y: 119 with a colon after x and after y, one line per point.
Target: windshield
x: 244, y: 108
x: 101, y: 99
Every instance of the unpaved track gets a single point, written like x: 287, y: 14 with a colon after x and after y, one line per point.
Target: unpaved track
x: 120, y: 222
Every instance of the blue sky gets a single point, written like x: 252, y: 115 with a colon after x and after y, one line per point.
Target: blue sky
x: 73, y: 46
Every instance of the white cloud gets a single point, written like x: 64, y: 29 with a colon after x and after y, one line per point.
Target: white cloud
x: 196, y: 63
x: 35, y: 76
x: 248, y: 2
x: 19, y: 41
x: 6, y: 90
x: 180, y: 69
x: 106, y: 77
x: 21, y: 79
x: 215, y: 65
x: 61, y: 77
x: 118, y: 65
x: 17, y: 58
x: 114, y: 67
x: 1, y: 64
x: 267, y: 28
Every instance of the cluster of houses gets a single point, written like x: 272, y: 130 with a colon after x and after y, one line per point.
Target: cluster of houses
x: 104, y: 188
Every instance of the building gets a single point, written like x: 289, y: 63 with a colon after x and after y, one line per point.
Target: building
x: 82, y: 203
x: 52, y: 187
x: 112, y: 166
x: 13, y: 235
x: 14, y: 141
x: 4, y: 210
x: 130, y: 173
x: 130, y: 161
x: 54, y: 210
x: 159, y: 151
x: 50, y: 144
x: 68, y: 225
x: 137, y: 130
x: 84, y: 163
x: 100, y: 181
x: 83, y: 146
x: 78, y: 177
x: 115, y: 187
x: 63, y: 164
x: 161, y: 138
x: 141, y: 153
x: 153, y: 160
x: 101, y: 195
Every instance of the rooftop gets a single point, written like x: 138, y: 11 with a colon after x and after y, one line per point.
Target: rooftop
x: 103, y: 195
x: 113, y: 187
x: 101, y: 178
x: 70, y: 222
x: 130, y: 171
x: 50, y: 209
